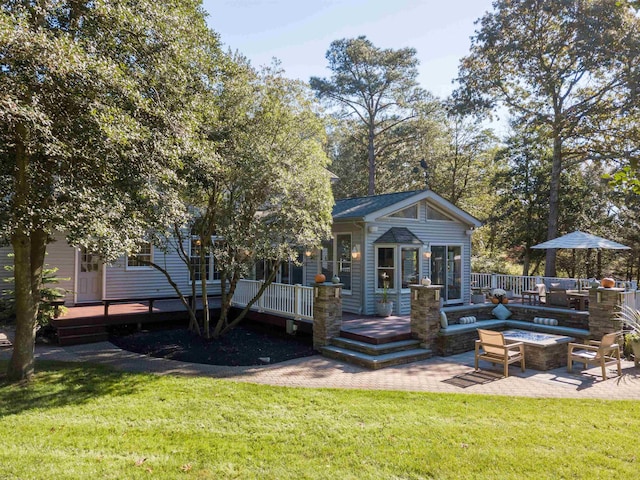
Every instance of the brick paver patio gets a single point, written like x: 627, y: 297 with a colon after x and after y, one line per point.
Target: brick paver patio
x: 453, y: 374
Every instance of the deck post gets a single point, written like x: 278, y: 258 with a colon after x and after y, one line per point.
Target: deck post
x: 425, y: 314
x: 604, y: 306
x: 327, y: 313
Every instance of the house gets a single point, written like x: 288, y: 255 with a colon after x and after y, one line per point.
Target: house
x: 404, y: 235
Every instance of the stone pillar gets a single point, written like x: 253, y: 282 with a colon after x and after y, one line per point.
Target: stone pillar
x: 327, y: 312
x: 425, y: 314
x: 604, y: 306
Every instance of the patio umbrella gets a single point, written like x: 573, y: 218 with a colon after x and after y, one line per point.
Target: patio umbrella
x: 580, y: 239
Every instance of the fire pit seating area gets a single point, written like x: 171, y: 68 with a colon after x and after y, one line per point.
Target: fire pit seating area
x: 459, y: 324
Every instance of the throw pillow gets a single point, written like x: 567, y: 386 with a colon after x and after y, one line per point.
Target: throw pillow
x: 545, y: 321
x: 443, y: 319
x: 501, y: 312
x: 467, y: 320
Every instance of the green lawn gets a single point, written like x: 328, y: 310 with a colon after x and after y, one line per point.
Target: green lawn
x: 88, y: 422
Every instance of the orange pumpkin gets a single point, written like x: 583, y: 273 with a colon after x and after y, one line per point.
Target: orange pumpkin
x: 494, y: 300
x: 320, y: 278
x: 608, y: 282
x: 505, y: 300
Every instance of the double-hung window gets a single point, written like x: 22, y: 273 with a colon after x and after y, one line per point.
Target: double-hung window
x: 210, y: 272
x: 397, y: 265
x: 140, y: 258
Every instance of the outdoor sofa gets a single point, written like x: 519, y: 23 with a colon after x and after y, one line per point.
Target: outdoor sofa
x: 458, y: 332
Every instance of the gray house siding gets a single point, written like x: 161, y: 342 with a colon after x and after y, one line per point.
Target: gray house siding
x: 351, y: 299
x: 59, y: 255
x: 431, y: 232
x: 127, y: 282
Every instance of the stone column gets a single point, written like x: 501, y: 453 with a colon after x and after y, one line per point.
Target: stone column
x: 604, y: 306
x: 425, y: 314
x: 327, y: 312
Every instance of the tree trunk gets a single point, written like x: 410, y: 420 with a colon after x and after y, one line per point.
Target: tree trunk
x: 554, y: 204
x: 371, y: 161
x: 29, y: 251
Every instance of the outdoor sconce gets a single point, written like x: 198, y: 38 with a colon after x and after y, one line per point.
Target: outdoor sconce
x: 310, y: 253
x: 437, y: 292
x: 355, y: 252
x: 599, y: 297
x: 426, y: 254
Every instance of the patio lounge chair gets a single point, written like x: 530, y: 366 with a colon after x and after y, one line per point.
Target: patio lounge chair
x: 492, y: 348
x: 600, y: 353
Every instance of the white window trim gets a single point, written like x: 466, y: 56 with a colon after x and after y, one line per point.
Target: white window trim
x: 334, y: 261
x: 450, y: 219
x: 128, y: 267
x: 210, y: 279
x: 395, y: 267
x: 419, y: 262
x: 389, y: 218
x: 463, y: 287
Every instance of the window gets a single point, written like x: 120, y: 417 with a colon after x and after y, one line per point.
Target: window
x: 410, y: 266
x: 211, y: 273
x: 402, y: 260
x: 409, y: 212
x: 139, y: 259
x: 433, y: 214
x: 335, y: 259
x: 386, y: 267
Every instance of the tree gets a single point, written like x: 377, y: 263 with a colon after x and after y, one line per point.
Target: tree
x: 376, y: 86
x: 562, y: 66
x: 96, y: 113
x: 265, y: 195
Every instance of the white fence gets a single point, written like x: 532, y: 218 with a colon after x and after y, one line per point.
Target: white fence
x: 291, y: 301
x: 517, y: 284
x: 631, y: 299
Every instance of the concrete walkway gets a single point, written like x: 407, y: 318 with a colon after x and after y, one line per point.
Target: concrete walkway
x: 453, y: 374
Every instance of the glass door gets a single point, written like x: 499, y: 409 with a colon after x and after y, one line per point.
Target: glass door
x: 446, y: 270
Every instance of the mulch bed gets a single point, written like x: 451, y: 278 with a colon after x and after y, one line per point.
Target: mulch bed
x: 247, y: 344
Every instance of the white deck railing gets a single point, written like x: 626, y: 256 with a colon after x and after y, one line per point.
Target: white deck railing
x: 517, y: 283
x: 292, y: 301
x: 631, y: 298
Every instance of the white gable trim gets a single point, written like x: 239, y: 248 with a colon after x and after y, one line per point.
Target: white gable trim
x: 444, y: 205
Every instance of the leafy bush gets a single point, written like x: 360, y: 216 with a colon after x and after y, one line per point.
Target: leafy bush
x: 48, y: 294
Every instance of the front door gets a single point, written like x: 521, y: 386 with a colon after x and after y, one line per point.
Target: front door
x: 89, y: 281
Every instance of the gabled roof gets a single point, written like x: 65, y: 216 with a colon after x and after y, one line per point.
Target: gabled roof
x: 399, y: 235
x: 370, y: 208
x: 360, y: 207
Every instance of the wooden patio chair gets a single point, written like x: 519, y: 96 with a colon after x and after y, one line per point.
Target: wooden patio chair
x: 557, y: 297
x: 492, y: 348
x: 602, y: 353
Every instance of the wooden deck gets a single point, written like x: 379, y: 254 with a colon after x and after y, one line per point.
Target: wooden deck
x: 88, y: 323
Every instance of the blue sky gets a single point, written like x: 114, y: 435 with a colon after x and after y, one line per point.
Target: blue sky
x: 298, y: 33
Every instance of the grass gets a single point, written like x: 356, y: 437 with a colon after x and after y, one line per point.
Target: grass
x: 92, y: 422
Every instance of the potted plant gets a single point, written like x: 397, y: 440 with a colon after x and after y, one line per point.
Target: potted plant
x: 384, y: 306
x: 499, y: 296
x: 630, y: 318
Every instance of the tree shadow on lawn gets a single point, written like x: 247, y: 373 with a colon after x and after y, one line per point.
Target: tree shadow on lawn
x: 58, y: 384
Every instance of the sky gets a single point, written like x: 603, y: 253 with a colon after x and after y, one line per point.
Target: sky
x: 298, y: 33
